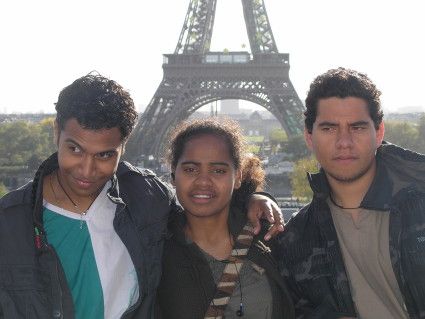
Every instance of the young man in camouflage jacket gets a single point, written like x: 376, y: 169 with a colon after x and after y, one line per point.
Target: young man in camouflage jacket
x: 358, y: 249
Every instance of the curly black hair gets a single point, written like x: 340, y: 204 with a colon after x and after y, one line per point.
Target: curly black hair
x: 96, y: 102
x: 342, y: 83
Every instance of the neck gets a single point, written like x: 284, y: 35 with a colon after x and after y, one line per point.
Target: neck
x: 349, y: 195
x: 211, y: 234
x: 55, y: 191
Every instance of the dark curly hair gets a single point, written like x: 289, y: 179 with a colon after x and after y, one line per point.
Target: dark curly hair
x: 252, y: 172
x: 343, y: 83
x: 96, y: 102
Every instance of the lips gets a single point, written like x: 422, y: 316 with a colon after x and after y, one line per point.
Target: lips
x: 202, y: 197
x: 83, y: 183
x: 345, y: 159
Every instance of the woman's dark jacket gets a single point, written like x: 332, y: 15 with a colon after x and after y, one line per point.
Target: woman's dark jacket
x: 187, y: 285
x: 32, y: 281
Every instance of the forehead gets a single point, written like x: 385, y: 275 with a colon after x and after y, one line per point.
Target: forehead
x: 96, y: 140
x: 342, y: 109
x: 206, y: 147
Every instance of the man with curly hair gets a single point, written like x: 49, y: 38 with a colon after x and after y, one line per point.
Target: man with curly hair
x: 84, y: 239
x: 358, y: 249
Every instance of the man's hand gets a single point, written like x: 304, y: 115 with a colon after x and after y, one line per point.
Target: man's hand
x: 260, y: 206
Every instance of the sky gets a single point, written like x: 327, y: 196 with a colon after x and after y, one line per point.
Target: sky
x: 46, y: 44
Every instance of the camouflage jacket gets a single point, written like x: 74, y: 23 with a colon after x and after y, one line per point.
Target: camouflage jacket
x: 308, y: 251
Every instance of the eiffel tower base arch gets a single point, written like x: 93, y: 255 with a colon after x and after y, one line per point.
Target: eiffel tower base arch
x: 193, y: 80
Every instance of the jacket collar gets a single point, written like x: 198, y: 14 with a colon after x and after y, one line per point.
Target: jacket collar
x: 396, y: 169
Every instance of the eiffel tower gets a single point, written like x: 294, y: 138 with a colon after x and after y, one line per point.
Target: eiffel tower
x: 195, y: 76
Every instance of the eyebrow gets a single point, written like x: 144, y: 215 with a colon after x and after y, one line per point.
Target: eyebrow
x: 326, y: 123
x: 198, y: 163
x: 357, y: 123
x: 70, y: 140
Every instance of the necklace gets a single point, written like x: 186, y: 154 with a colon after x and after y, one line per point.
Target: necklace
x: 339, y: 206
x: 83, y: 213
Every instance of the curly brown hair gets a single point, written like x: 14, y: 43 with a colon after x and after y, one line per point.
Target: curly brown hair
x: 343, y: 83
x: 96, y: 102
x: 253, y: 175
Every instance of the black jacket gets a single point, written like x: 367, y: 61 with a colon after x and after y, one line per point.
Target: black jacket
x: 32, y: 281
x: 310, y: 257
x: 187, y: 285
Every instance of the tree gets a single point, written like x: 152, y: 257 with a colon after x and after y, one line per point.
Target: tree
x: 404, y: 134
x: 277, y: 137
x: 420, y: 145
x: 299, y: 182
x: 297, y: 147
x: 21, y: 141
x: 3, y: 190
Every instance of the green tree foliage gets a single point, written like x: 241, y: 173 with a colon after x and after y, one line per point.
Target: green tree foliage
x: 299, y: 182
x: 297, y: 147
x: 3, y: 190
x: 277, y: 136
x: 404, y: 134
x: 26, y: 144
x: 421, y: 135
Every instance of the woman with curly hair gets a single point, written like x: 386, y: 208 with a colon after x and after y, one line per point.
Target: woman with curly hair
x: 213, y: 264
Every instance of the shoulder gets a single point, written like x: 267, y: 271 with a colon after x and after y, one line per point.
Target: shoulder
x: 299, y: 220
x: 299, y: 231
x: 148, y: 199
x: 125, y: 168
x: 135, y: 179
x: 20, y: 196
x: 15, y: 218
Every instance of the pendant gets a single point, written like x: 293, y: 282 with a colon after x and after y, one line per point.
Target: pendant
x: 81, y: 219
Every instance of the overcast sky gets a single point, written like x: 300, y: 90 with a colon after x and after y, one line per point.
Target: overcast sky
x: 46, y: 44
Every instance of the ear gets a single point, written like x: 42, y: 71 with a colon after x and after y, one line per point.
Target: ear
x: 124, y: 142
x: 380, y: 132
x: 57, y: 132
x: 173, y: 177
x: 308, y: 139
x: 238, y: 179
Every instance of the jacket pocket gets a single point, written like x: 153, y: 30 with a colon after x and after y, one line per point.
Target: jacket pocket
x: 23, y: 292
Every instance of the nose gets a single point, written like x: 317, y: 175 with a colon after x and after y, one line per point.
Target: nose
x: 88, y: 167
x: 344, y: 139
x: 203, y: 179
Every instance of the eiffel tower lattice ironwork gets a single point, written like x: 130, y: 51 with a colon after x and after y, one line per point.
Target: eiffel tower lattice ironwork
x: 195, y: 76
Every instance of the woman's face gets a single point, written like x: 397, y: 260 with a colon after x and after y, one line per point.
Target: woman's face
x: 205, y: 176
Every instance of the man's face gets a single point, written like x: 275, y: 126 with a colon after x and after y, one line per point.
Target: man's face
x: 87, y: 158
x: 344, y: 139
x: 205, y: 177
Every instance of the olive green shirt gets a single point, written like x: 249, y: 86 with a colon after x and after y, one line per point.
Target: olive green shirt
x: 365, y: 250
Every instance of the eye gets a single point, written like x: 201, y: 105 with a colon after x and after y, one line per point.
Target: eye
x: 219, y: 171
x: 105, y: 155
x: 190, y: 169
x: 74, y: 149
x: 327, y: 128
x: 358, y: 128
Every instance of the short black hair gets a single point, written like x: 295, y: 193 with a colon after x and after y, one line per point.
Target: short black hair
x: 343, y: 83
x: 96, y: 102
